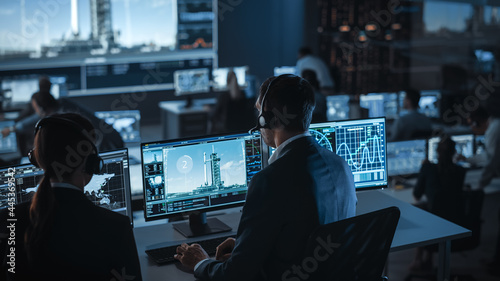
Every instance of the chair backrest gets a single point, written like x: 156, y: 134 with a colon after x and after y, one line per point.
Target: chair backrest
x: 351, y: 249
x: 473, y: 205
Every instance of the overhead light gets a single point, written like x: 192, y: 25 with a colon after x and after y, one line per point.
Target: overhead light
x: 344, y: 28
x: 371, y: 27
x: 396, y: 26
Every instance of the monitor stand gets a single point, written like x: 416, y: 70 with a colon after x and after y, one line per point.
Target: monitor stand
x: 199, y: 225
x: 189, y: 102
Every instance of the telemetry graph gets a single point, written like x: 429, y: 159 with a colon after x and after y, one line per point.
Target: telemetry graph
x: 362, y: 144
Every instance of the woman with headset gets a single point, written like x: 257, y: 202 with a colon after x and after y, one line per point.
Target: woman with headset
x: 60, y: 234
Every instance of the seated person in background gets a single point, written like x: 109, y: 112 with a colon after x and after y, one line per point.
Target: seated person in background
x: 233, y: 111
x: 319, y: 113
x: 304, y: 186
x: 60, y: 234
x: 442, y: 184
x: 44, y: 86
x: 44, y: 104
x: 306, y: 60
x: 413, y: 124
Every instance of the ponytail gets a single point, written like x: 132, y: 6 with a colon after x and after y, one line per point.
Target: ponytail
x: 41, y: 218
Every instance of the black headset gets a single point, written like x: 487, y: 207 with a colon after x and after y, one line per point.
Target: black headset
x: 94, y: 163
x: 265, y: 117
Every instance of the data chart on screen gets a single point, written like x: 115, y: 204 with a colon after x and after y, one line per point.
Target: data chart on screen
x: 362, y: 145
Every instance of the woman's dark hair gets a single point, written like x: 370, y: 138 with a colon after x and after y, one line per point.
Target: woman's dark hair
x: 53, y: 142
x: 446, y: 151
x: 413, y: 96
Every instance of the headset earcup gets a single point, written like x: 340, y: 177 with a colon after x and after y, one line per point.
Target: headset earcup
x: 262, y: 121
x: 94, y: 164
x: 32, y: 158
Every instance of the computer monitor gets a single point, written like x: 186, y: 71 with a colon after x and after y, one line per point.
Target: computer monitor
x: 464, y: 146
x: 219, y: 76
x: 429, y: 103
x: 280, y: 70
x: 8, y: 144
x: 337, y: 107
x: 405, y: 157
x: 197, y: 175
x: 380, y: 104
x: 362, y: 143
x: 192, y: 81
x: 111, y: 190
x: 19, y: 89
x: 125, y: 122
x: 480, y: 151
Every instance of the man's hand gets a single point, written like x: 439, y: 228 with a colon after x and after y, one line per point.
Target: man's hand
x: 189, y: 256
x: 225, y: 249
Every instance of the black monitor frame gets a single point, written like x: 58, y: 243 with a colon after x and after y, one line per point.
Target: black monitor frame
x: 198, y: 223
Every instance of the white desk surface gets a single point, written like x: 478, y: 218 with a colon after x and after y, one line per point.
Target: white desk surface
x: 416, y: 228
x: 178, y: 106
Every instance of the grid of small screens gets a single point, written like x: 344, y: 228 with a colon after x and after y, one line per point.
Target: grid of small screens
x: 194, y: 81
x: 8, y: 144
x: 389, y: 105
x: 219, y: 76
x: 361, y: 143
x: 125, y: 122
x: 110, y: 190
x: 198, y: 174
x: 280, y: 70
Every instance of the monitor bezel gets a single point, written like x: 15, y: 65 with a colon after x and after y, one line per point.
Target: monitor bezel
x: 264, y: 151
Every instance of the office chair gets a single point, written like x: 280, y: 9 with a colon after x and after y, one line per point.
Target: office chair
x: 472, y: 203
x: 351, y: 249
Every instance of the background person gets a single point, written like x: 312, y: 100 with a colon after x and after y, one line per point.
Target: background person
x: 233, y: 111
x: 413, y: 124
x: 60, y: 234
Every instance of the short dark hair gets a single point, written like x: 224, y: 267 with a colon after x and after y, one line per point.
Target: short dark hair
x: 304, y: 51
x: 45, y: 100
x: 292, y: 97
x: 44, y: 84
x: 413, y: 96
x: 311, y: 77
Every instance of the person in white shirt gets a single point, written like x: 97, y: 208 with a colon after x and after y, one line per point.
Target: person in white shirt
x: 306, y: 60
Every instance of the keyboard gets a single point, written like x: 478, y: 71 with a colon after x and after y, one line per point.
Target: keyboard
x: 165, y: 255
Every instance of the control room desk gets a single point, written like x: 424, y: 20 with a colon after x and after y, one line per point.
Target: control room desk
x: 415, y: 228
x: 179, y: 121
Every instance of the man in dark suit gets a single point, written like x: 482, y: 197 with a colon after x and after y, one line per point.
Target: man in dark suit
x: 304, y: 186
